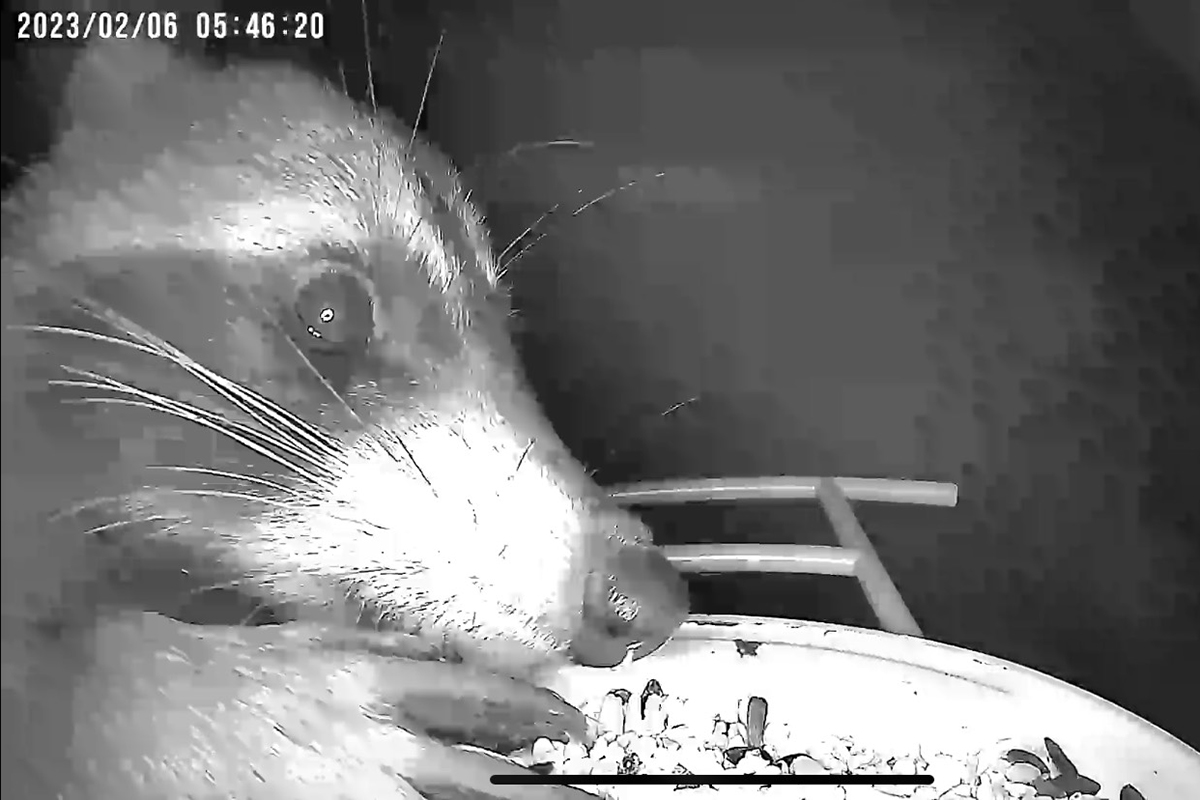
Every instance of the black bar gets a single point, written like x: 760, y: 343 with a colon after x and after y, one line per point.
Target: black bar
x: 727, y: 779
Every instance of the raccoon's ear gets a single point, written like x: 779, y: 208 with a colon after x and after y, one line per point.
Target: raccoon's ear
x: 109, y: 78
x: 132, y: 99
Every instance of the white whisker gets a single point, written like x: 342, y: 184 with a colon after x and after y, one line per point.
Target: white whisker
x: 199, y: 420
x: 171, y: 406
x: 506, y: 266
x: 98, y: 530
x: 520, y: 148
x: 530, y: 229
x: 412, y: 139
x: 97, y: 503
x: 262, y: 410
x: 279, y: 415
x: 86, y: 334
x: 217, y: 473
x: 218, y: 493
x: 367, y: 47
x: 249, y: 402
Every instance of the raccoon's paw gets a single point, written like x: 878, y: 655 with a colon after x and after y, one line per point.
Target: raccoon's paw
x: 434, y: 705
x: 452, y: 702
x: 296, y: 711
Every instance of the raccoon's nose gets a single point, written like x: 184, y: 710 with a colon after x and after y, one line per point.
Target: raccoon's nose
x: 635, y: 602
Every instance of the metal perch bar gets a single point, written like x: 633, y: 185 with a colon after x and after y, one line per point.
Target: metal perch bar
x: 881, y: 592
x: 856, y: 556
x: 705, y: 490
x: 775, y: 558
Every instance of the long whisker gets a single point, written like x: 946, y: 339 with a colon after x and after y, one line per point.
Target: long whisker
x: 341, y: 65
x: 505, y: 267
x: 348, y: 576
x: 146, y: 498
x: 412, y: 139
x: 292, y: 423
x: 370, y: 62
x: 676, y: 406
x: 100, y: 530
x: 277, y: 414
x: 351, y: 579
x: 226, y: 495
x: 81, y: 333
x: 144, y: 494
x: 179, y: 409
x: 200, y: 421
x: 253, y: 404
x: 268, y: 414
x: 217, y: 473
x: 367, y: 46
x: 265, y: 411
x: 605, y: 195
x: 528, y: 230
x: 520, y: 148
x: 96, y: 503
x: 256, y: 406
x: 183, y: 410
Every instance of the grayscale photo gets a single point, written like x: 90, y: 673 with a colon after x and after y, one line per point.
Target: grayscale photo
x: 498, y: 400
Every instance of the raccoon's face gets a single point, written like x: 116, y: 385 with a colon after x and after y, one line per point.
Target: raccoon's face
x: 274, y: 322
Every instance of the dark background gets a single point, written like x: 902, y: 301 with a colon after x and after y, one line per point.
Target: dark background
x: 951, y: 241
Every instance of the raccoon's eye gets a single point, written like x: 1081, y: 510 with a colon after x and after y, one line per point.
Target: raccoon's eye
x: 335, y: 312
